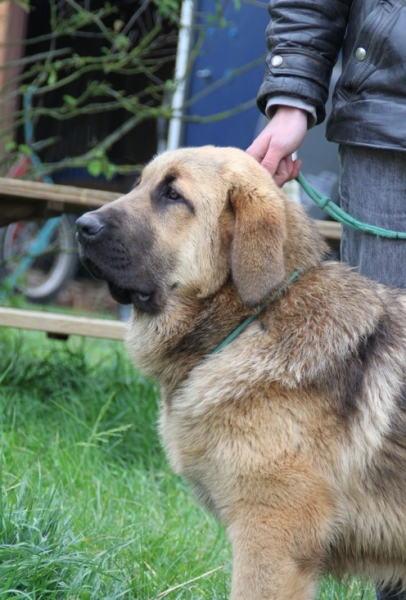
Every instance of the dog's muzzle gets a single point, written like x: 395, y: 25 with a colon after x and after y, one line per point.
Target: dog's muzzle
x: 89, y: 228
x: 89, y: 233
x: 99, y: 255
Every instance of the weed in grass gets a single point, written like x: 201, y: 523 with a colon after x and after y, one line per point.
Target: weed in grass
x: 40, y: 556
x: 89, y: 507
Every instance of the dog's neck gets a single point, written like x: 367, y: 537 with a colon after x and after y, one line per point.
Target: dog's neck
x: 182, y: 341
x: 175, y: 342
x: 305, y: 247
x: 246, y: 322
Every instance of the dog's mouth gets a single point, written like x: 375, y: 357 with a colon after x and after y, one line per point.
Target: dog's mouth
x: 142, y: 298
x: 129, y: 296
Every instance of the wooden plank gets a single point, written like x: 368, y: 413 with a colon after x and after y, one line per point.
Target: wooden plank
x: 61, y: 324
x: 55, y: 193
x: 330, y: 229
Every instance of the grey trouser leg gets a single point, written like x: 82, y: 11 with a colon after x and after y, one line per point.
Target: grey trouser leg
x: 390, y: 594
x: 373, y: 190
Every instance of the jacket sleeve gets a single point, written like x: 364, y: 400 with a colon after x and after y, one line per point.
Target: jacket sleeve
x: 304, y: 38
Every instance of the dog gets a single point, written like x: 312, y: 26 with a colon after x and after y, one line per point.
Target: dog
x: 282, y: 374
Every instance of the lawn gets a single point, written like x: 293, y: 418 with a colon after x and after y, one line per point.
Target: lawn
x: 89, y: 507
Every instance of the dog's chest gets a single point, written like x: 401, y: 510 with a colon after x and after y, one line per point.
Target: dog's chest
x: 186, y: 445
x: 185, y: 441
x: 220, y: 436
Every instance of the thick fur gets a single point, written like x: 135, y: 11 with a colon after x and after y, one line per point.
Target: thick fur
x: 294, y: 434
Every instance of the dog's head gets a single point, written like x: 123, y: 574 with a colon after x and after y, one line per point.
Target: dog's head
x: 195, y: 216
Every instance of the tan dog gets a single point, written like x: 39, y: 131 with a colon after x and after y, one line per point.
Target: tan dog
x: 294, y: 433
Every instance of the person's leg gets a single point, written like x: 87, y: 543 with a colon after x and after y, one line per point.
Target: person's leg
x: 390, y: 593
x: 373, y: 190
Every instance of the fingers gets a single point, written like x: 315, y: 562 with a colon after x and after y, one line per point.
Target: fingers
x: 267, y: 154
x: 287, y: 170
x: 281, y: 137
x: 267, y: 150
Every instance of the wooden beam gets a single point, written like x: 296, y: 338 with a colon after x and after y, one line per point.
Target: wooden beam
x: 21, y: 199
x: 51, y: 192
x: 60, y: 324
x: 330, y: 229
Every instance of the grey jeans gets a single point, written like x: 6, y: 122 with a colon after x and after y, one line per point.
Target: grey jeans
x: 373, y: 190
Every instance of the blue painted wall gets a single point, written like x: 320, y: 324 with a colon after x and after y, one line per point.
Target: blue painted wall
x: 224, y: 51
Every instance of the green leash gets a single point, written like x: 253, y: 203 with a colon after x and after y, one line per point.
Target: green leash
x: 252, y: 318
x: 325, y: 203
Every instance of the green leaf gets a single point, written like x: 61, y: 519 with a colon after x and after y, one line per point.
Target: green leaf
x: 122, y: 41
x: 95, y: 167
x: 10, y: 145
x: 52, y: 77
x: 24, y: 149
x: 70, y: 100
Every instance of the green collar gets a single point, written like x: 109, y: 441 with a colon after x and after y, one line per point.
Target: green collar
x: 231, y: 337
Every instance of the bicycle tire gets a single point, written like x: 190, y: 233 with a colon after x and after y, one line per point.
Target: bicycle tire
x: 44, y: 279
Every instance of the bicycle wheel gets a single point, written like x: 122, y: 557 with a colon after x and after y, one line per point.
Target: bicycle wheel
x: 48, y: 272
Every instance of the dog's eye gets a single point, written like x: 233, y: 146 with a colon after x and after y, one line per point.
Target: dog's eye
x: 173, y: 195
x: 169, y: 196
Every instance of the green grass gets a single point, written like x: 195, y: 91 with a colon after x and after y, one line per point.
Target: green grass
x: 89, y: 508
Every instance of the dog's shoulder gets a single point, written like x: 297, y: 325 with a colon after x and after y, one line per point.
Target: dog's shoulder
x: 332, y: 330
x: 332, y: 311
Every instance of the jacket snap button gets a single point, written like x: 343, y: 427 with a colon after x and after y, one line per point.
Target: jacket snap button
x: 276, y: 60
x: 360, y: 54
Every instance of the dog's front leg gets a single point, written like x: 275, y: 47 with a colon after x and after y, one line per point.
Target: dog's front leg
x: 270, y: 563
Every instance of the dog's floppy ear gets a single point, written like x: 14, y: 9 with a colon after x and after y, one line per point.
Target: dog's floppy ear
x: 257, y: 258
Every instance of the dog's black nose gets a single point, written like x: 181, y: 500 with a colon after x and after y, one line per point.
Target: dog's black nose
x: 89, y: 227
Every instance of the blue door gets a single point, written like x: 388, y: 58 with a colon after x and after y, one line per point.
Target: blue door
x: 226, y: 76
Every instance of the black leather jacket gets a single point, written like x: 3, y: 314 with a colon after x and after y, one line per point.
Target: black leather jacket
x: 304, y: 40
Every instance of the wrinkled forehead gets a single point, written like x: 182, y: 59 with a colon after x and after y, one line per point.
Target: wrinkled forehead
x: 195, y: 172
x: 194, y: 162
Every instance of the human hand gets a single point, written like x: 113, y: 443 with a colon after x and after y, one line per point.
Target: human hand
x: 276, y: 143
